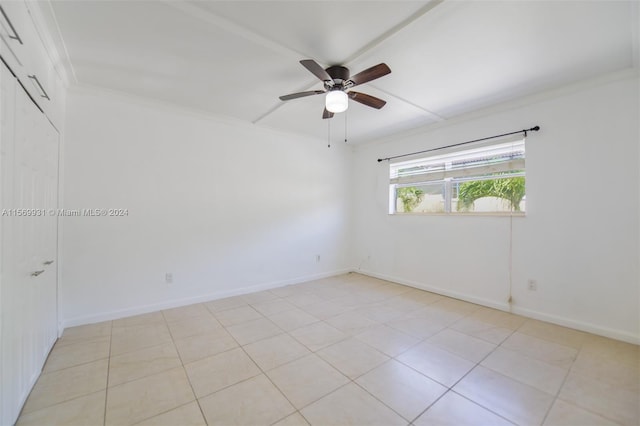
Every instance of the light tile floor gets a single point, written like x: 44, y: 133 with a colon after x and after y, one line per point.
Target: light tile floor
x: 344, y: 350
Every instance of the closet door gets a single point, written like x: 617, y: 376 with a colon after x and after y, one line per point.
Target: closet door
x: 9, y: 400
x: 29, y: 259
x: 35, y: 177
x: 47, y: 257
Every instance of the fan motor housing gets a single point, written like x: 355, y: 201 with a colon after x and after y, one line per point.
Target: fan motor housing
x: 339, y: 73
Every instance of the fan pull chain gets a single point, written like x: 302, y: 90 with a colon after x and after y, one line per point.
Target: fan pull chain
x: 345, y: 127
x: 328, y: 133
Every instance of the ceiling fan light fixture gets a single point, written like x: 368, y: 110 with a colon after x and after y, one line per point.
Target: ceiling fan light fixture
x: 336, y: 101
x: 336, y: 81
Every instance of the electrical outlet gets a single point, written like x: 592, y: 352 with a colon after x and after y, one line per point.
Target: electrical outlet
x: 168, y: 278
x: 532, y: 285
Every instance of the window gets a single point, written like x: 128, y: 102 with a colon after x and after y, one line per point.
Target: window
x: 485, y: 179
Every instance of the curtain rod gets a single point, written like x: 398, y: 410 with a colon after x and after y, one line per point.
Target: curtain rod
x: 533, y: 129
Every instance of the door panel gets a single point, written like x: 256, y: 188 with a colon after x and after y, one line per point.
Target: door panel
x: 29, y: 297
x: 8, y: 360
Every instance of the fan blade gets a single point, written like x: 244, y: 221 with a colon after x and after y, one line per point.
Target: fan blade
x: 370, y: 74
x: 367, y: 100
x: 316, y: 69
x: 327, y: 114
x: 301, y: 95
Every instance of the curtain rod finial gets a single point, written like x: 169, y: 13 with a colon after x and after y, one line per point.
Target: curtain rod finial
x: 535, y: 129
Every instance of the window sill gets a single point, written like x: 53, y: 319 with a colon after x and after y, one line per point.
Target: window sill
x: 488, y: 214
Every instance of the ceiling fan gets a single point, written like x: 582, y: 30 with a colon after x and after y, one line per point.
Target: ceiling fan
x: 337, y: 81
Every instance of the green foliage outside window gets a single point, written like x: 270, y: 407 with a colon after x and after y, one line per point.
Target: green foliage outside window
x: 510, y: 189
x: 410, y: 197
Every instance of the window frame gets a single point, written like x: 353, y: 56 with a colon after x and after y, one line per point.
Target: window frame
x: 448, y: 182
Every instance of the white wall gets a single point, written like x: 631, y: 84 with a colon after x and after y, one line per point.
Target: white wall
x: 229, y: 208
x: 579, y: 239
x: 226, y: 207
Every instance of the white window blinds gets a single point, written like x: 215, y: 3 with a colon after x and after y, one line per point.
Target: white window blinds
x: 496, y: 158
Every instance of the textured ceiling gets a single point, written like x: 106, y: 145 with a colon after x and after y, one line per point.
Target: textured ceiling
x: 234, y: 58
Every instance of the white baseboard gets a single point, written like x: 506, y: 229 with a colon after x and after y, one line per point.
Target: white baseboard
x: 138, y: 310
x: 529, y: 313
x: 438, y: 290
x: 578, y: 325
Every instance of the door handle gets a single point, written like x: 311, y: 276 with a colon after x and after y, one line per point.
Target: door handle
x: 15, y: 35
x: 36, y: 273
x: 48, y: 262
x: 44, y: 93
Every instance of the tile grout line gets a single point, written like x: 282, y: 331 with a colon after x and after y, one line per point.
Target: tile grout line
x: 61, y: 402
x: 376, y: 398
x: 353, y: 381
x: 166, y: 324
x: 557, y: 395
x: 483, y: 407
x: 43, y: 373
x: 264, y: 373
x: 106, y: 390
x: 161, y: 413
x: 312, y: 352
x: 564, y: 380
x: 184, y: 369
x: 353, y: 336
x: 429, y: 406
x: 239, y: 346
x: 450, y: 388
x: 546, y: 339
